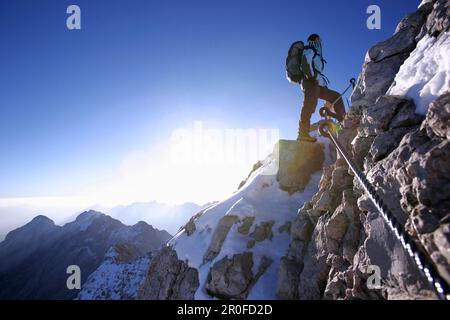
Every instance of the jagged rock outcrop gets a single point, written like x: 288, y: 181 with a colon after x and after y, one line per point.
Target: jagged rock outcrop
x: 219, y: 235
x: 297, y: 161
x: 126, y: 274
x: 190, y: 227
x: 338, y: 236
x: 383, y: 60
x: 438, y: 20
x: 169, y: 278
x: 233, y: 278
x: 263, y: 231
x: 246, y: 224
x: 256, y: 166
x: 120, y: 275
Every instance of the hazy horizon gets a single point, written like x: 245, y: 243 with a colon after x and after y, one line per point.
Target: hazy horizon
x: 15, y: 216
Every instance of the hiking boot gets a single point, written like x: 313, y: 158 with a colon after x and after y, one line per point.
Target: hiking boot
x: 304, y: 136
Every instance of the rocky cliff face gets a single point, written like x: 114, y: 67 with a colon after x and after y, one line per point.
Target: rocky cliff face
x: 169, y: 278
x: 338, y: 236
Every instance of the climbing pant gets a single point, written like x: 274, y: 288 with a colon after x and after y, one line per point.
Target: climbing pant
x: 312, y: 92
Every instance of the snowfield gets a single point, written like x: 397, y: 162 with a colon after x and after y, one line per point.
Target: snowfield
x: 425, y: 75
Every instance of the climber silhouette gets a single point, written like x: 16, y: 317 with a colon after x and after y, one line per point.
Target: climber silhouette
x: 305, y: 65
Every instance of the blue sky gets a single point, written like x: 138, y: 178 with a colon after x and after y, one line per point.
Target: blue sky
x: 74, y: 103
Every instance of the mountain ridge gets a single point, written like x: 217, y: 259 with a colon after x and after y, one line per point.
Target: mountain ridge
x: 83, y: 242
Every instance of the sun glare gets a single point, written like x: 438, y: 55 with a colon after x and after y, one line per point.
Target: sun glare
x: 197, y: 165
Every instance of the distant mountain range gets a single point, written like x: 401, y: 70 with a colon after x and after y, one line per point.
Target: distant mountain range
x: 161, y: 215
x: 34, y: 258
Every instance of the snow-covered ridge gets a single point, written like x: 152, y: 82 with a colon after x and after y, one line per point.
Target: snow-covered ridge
x: 119, y: 277
x: 259, y: 213
x: 159, y: 215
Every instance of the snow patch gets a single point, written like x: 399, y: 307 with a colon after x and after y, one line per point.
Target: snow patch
x: 425, y: 75
x: 423, y: 2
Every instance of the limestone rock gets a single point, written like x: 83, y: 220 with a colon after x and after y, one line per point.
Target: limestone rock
x: 302, y: 227
x: 406, y: 116
x: 336, y: 226
x: 123, y: 253
x: 376, y: 79
x: 231, y: 278
x: 377, y: 118
x: 256, y: 166
x: 263, y: 231
x: 219, y: 235
x: 169, y: 278
x: 385, y: 58
x: 437, y: 121
x: 247, y: 223
x: 439, y: 19
x: 313, y: 277
x: 386, y: 142
x: 301, y: 231
x: 442, y: 240
x: 288, y: 276
x: 416, y: 19
x: 190, y: 227
x: 285, y: 228
x: 297, y: 161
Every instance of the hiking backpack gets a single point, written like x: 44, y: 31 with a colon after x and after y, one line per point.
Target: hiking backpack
x: 294, y: 62
x: 294, y: 72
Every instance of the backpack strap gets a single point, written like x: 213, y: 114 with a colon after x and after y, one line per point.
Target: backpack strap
x: 313, y: 65
x: 312, y: 60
